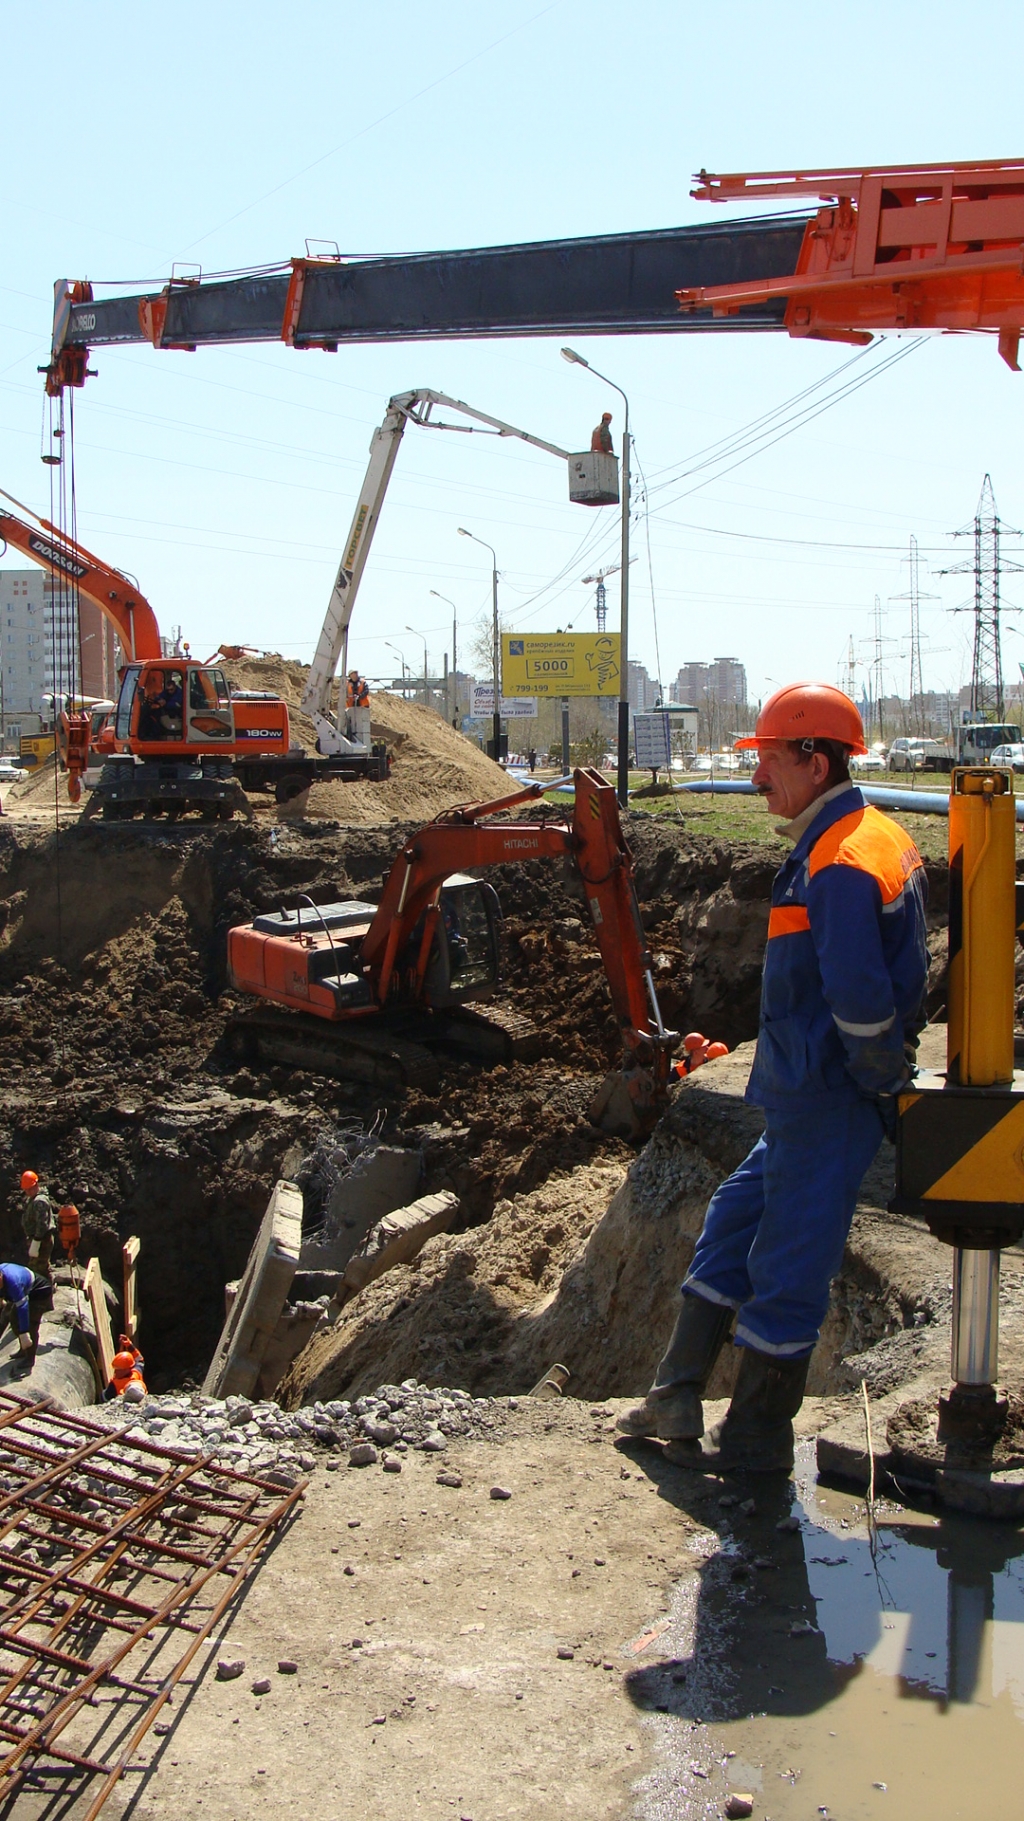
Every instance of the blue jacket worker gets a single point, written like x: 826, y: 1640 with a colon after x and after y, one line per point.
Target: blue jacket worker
x: 842, y: 1006
x: 25, y: 1296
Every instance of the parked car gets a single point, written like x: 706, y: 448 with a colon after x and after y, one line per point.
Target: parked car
x: 868, y: 761
x: 11, y: 773
x: 918, y: 755
x: 1009, y: 755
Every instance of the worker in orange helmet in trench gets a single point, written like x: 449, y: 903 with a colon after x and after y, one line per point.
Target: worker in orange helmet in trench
x: 842, y: 1005
x: 38, y: 1222
x: 126, y: 1379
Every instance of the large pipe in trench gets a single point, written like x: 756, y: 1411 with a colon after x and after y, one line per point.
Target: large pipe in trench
x: 925, y: 802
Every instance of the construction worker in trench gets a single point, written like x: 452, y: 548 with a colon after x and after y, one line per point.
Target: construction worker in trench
x: 25, y: 1297
x: 601, y: 438
x: 126, y: 1373
x: 38, y: 1222
x: 842, y: 1005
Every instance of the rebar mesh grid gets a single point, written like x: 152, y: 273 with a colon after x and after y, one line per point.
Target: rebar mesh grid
x: 117, y: 1560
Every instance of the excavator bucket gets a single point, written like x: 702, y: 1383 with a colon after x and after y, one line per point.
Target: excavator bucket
x: 629, y: 1103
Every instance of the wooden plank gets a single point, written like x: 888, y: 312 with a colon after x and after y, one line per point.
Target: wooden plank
x: 95, y: 1290
x: 129, y: 1259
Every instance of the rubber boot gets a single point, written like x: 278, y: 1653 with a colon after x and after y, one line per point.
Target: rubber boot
x: 672, y: 1409
x: 756, y: 1433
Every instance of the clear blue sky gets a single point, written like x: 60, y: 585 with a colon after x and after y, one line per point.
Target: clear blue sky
x: 225, y: 480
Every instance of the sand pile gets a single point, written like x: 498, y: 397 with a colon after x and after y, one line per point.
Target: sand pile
x: 432, y: 766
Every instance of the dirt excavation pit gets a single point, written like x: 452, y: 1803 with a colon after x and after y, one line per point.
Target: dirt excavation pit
x: 524, y: 1617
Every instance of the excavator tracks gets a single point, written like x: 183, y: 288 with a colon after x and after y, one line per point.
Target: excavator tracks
x: 359, y: 1051
x: 383, y: 1054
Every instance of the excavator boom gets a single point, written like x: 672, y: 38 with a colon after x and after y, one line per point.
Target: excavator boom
x: 116, y: 597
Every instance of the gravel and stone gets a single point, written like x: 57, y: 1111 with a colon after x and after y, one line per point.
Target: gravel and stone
x: 282, y: 1446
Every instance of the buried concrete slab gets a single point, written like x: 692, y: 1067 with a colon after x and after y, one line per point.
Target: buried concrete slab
x: 262, y: 1294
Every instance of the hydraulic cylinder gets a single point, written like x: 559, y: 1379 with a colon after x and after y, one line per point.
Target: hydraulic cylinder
x: 982, y: 929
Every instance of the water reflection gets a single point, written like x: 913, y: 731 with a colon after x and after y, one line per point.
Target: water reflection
x: 939, y: 1605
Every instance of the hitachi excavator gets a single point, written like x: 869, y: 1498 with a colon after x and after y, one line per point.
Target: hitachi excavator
x: 179, y: 739
x: 371, y: 992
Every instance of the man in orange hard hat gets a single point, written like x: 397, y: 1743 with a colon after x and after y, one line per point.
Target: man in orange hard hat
x: 126, y: 1372
x: 842, y: 1004
x: 38, y: 1222
x: 601, y: 438
x: 357, y: 704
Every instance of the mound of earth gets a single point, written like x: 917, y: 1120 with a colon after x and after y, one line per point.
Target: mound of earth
x: 432, y: 766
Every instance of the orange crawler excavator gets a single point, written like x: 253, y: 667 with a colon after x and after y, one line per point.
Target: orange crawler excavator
x: 369, y: 992
x: 179, y: 739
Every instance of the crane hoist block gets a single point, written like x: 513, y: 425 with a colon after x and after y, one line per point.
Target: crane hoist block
x: 594, y: 479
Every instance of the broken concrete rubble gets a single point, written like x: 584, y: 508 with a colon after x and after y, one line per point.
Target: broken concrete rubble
x: 260, y: 1438
x: 397, y: 1238
x: 379, y: 1180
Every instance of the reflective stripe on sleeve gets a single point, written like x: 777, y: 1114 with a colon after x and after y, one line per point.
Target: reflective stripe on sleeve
x: 787, y: 920
x: 865, y: 1030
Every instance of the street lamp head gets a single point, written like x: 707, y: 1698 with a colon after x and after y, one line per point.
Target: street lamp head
x: 577, y: 360
x: 463, y: 532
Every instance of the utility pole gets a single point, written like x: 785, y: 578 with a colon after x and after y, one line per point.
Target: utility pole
x: 495, y: 638
x: 987, y: 529
x: 451, y: 702
x: 623, y: 716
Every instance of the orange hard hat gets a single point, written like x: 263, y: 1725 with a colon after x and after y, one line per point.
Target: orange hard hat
x: 121, y: 1364
x: 29, y: 1181
x: 717, y: 1049
x: 694, y: 1040
x: 808, y: 711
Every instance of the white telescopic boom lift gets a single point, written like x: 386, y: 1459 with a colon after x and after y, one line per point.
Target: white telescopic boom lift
x: 332, y: 646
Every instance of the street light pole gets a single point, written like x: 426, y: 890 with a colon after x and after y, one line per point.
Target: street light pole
x: 496, y: 653
x: 426, y: 668
x: 453, y: 704
x: 623, y: 727
x: 400, y: 655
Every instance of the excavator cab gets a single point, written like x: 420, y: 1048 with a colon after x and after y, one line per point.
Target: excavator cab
x: 168, y: 705
x: 465, y: 956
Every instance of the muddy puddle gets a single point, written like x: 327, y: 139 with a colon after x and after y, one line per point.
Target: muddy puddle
x: 831, y: 1673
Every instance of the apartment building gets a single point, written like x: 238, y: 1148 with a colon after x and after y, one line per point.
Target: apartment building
x: 40, y: 651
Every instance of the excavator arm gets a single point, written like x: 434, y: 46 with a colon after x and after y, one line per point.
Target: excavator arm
x: 595, y: 846
x: 116, y: 597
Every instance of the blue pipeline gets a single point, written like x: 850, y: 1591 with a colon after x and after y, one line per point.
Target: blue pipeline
x: 925, y: 802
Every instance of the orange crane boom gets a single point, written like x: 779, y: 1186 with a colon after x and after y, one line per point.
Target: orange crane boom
x: 113, y: 593
x: 934, y: 246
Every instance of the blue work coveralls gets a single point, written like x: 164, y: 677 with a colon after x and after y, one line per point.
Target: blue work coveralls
x: 15, y: 1283
x: 843, y: 991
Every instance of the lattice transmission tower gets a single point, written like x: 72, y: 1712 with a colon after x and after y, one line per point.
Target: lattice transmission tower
x: 988, y: 531
x: 915, y: 702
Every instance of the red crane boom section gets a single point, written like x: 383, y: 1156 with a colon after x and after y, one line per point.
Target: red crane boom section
x: 897, y: 247
x: 116, y: 597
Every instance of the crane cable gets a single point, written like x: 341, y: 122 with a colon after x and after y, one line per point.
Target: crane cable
x: 58, y: 605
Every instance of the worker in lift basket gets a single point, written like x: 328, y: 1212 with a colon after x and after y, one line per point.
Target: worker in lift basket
x: 842, y: 1004
x: 601, y: 438
x: 38, y: 1222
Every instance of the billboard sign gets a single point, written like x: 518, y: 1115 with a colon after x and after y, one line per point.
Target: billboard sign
x: 561, y: 663
x: 513, y: 708
x: 652, y: 740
